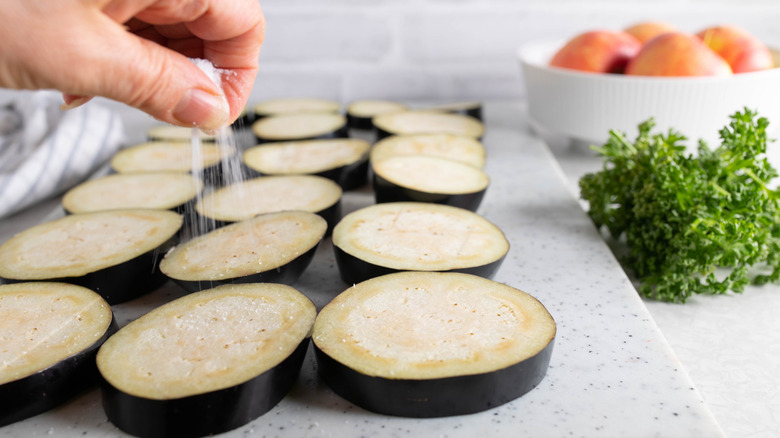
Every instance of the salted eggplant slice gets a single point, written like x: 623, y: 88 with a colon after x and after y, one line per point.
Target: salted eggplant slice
x: 426, y: 344
x: 344, y: 161
x: 49, y: 336
x: 416, y: 236
x: 115, y: 253
x: 273, y: 247
x: 427, y: 122
x: 152, y: 190
x: 177, y: 134
x: 267, y: 194
x: 471, y: 109
x: 301, y: 126
x: 361, y: 112
x: 172, y: 156
x: 206, y: 363
x: 295, y: 105
x: 454, y: 147
x: 429, y: 179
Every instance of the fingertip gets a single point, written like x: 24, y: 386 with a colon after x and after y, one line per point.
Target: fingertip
x: 199, y: 108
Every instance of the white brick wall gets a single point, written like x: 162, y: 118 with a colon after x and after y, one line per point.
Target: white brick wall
x: 451, y: 49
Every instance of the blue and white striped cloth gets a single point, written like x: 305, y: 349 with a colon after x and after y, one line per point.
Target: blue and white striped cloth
x: 45, y: 151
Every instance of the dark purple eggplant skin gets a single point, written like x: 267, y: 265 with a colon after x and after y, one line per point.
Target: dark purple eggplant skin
x: 349, y: 177
x: 354, y: 270
x: 342, y: 132
x: 331, y: 214
x: 380, y: 133
x: 286, y: 274
x: 443, y: 397
x: 361, y: 123
x: 203, y: 414
x: 475, y: 112
x: 53, y: 386
x: 125, y: 281
x: 386, y: 191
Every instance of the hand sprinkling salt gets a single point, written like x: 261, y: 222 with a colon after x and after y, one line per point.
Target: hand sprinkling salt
x: 213, y: 73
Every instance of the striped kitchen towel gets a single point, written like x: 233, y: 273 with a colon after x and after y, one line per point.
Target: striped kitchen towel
x: 45, y: 151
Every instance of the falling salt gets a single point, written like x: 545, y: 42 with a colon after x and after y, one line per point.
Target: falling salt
x: 231, y: 171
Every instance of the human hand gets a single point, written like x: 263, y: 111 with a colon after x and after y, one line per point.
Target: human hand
x: 136, y: 52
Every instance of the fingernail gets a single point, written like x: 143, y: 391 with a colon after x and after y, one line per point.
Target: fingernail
x: 72, y: 101
x: 202, y: 109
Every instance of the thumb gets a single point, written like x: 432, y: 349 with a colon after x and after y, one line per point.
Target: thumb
x: 162, y: 83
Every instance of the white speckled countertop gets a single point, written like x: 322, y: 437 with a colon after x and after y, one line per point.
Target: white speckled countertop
x: 612, y: 374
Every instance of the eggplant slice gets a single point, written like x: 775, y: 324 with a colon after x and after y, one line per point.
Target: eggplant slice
x: 295, y: 105
x: 115, y: 253
x: 454, y: 147
x: 427, y: 122
x: 361, y: 112
x: 273, y: 247
x: 471, y: 109
x: 177, y: 134
x: 171, y: 156
x: 301, y: 126
x: 152, y: 190
x: 50, y: 333
x: 429, y: 179
x: 416, y: 236
x: 206, y: 363
x: 344, y: 161
x: 267, y: 194
x: 426, y: 344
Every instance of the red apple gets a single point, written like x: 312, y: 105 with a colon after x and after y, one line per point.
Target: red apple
x: 600, y: 51
x: 741, y: 50
x: 647, y: 30
x: 677, y: 54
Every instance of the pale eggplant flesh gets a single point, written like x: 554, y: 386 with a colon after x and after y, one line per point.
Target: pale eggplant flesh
x: 207, y: 362
x: 431, y: 344
x: 49, y: 357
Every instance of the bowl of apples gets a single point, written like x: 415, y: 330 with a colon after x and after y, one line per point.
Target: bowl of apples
x: 604, y: 80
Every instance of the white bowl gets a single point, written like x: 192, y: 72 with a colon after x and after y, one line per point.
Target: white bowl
x: 586, y: 106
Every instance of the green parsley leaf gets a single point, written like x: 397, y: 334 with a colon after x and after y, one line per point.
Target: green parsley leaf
x: 692, y: 224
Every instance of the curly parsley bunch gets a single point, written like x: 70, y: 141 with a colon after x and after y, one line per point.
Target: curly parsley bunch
x: 692, y: 224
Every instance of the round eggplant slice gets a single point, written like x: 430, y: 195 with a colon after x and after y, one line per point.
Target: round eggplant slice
x: 454, y: 147
x: 344, y: 161
x: 177, y: 134
x: 115, y: 253
x: 50, y: 333
x: 360, y: 112
x: 295, y: 105
x: 206, y: 363
x: 273, y: 247
x: 153, y: 190
x: 423, y: 344
x: 268, y: 194
x: 304, y: 126
x: 167, y: 156
x: 471, y: 109
x: 427, y: 122
x: 429, y: 179
x: 416, y: 236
